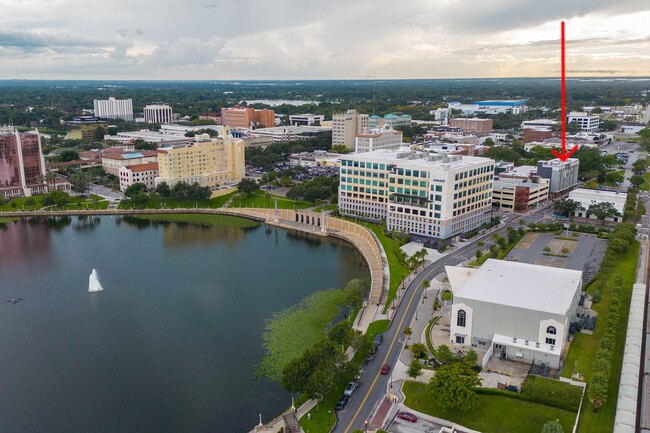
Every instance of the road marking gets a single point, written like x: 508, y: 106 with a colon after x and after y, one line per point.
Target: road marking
x: 392, y: 343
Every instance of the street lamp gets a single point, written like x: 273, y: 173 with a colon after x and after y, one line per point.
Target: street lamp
x: 329, y: 412
x: 365, y: 426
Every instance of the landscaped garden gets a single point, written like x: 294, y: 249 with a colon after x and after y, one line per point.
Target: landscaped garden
x: 494, y: 414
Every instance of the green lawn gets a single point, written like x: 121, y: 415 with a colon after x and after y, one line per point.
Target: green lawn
x: 75, y: 203
x: 258, y: 199
x: 377, y: 327
x: 18, y: 203
x: 213, y: 203
x: 7, y: 220
x: 495, y: 414
x: 202, y: 219
x: 397, y: 271
x: 581, y: 356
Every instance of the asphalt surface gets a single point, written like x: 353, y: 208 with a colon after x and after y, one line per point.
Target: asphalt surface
x: 374, y: 385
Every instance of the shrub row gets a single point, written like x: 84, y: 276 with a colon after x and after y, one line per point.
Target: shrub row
x: 552, y: 393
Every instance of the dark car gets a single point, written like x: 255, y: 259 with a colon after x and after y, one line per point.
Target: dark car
x: 378, y: 339
x: 407, y: 416
x: 385, y: 369
x: 341, y: 402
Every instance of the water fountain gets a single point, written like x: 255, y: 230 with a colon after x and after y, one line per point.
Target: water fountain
x: 93, y: 282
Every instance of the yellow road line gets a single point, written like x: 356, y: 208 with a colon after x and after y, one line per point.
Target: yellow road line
x: 392, y: 343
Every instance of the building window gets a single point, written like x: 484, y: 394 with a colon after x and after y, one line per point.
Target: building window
x: 551, y: 330
x: 550, y: 341
x: 460, y: 339
x: 460, y: 318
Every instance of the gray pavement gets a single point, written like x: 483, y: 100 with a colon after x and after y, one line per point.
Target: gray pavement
x: 586, y: 257
x: 375, y: 384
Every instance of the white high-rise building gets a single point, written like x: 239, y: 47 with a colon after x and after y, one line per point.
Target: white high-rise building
x: 379, y: 138
x: 430, y: 195
x: 346, y: 126
x: 158, y: 113
x: 112, y: 108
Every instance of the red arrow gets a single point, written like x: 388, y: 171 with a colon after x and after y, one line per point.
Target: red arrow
x: 564, y: 155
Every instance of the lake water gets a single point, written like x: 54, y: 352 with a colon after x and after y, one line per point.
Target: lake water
x: 171, y: 343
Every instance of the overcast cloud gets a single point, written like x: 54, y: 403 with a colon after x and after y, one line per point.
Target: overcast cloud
x: 298, y: 39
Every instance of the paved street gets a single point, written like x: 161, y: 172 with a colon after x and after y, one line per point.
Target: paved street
x: 107, y: 193
x: 375, y: 384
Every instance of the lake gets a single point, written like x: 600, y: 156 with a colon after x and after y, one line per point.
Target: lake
x: 171, y: 343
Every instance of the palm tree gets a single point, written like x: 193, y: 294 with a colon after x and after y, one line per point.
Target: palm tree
x: 50, y: 178
x: 408, y: 331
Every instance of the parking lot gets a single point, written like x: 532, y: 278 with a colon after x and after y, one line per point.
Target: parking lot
x: 583, y: 252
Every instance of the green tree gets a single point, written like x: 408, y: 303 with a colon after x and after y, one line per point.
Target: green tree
x: 415, y: 368
x: 247, y: 186
x: 602, y: 211
x: 163, y: 189
x: 453, y: 386
x: 341, y: 334
x: 443, y: 354
x: 136, y: 188
x: 637, y: 180
x: 99, y: 133
x: 418, y: 350
x: 69, y: 155
x: 552, y: 427
x: 567, y: 207
x: 80, y: 180
x: 407, y: 332
x: 55, y: 198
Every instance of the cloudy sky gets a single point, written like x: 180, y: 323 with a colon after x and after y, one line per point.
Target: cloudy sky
x: 303, y: 39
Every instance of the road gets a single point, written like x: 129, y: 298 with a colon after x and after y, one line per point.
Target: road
x: 374, y: 385
x: 105, y: 192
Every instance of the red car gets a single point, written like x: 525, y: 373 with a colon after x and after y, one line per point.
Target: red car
x: 385, y: 369
x: 407, y: 416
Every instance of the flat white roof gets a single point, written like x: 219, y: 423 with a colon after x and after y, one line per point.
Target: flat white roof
x: 522, y: 285
x: 520, y: 171
x: 402, y: 157
x: 587, y: 197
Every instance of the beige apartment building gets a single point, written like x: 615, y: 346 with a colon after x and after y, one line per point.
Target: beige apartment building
x: 346, y: 126
x: 472, y: 124
x: 208, y: 161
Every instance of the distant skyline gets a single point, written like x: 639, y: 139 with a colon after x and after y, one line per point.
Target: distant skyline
x: 290, y: 39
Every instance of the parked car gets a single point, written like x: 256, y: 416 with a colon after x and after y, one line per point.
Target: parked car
x: 407, y: 416
x: 378, y: 339
x: 349, y: 390
x: 359, y: 374
x: 341, y: 403
x: 385, y: 369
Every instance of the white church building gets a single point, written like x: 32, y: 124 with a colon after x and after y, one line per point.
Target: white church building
x: 514, y: 310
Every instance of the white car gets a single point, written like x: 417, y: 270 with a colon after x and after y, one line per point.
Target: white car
x: 349, y: 390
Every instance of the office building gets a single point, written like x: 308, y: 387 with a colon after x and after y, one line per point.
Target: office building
x: 424, y: 195
x: 540, y: 124
x: 391, y: 120
x: 346, y: 126
x: 562, y: 175
x: 491, y: 107
x: 289, y: 133
x: 86, y: 128
x: 140, y: 173
x: 208, y: 161
x: 516, y: 195
x: 589, y: 197
x: 22, y: 166
x: 247, y: 117
x: 586, y: 122
x: 112, y: 108
x: 379, y: 138
x: 472, y: 124
x: 306, y: 119
x: 515, y: 311
x: 158, y: 114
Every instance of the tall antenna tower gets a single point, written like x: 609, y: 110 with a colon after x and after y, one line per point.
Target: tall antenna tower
x: 374, y: 92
